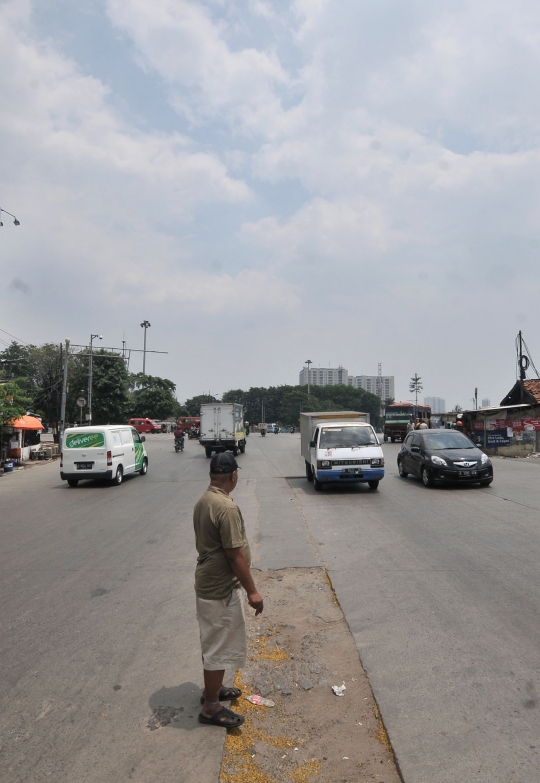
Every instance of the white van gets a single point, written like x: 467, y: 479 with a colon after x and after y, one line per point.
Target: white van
x: 340, y: 447
x: 102, y: 453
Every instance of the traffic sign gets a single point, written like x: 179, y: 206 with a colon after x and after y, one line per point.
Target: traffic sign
x: 81, y: 402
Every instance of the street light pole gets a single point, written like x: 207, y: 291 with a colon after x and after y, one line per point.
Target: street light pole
x: 15, y: 221
x: 92, y: 337
x: 64, y: 398
x: 145, y: 325
x: 308, y: 362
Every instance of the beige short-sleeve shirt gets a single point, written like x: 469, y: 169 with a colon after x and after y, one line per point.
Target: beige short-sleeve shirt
x: 218, y: 526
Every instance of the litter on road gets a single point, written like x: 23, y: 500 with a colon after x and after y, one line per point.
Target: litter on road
x: 338, y: 689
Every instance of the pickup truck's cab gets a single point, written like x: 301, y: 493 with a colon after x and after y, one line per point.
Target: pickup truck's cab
x: 345, y: 452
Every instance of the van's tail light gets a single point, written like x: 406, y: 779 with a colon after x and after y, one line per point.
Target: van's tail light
x: 61, y: 460
x: 109, y: 458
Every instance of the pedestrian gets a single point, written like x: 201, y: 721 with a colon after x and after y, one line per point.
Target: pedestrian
x: 410, y: 426
x: 417, y: 424
x: 223, y: 569
x: 423, y: 426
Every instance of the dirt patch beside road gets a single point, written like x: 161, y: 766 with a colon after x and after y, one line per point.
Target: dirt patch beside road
x: 298, y: 649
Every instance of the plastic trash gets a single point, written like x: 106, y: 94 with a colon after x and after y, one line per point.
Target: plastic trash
x: 338, y: 689
x: 260, y: 700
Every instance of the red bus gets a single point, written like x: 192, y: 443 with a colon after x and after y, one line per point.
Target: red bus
x: 399, y: 415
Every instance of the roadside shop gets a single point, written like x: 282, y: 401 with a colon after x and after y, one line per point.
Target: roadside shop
x: 511, y: 429
x: 20, y: 441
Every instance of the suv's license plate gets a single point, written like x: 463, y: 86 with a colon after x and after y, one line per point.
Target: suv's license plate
x: 468, y: 472
x: 84, y: 465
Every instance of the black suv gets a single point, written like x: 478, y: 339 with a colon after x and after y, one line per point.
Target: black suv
x: 443, y: 456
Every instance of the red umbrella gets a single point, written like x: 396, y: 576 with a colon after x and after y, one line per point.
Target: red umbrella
x: 27, y: 423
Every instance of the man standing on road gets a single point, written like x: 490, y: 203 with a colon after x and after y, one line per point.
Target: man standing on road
x: 223, y: 568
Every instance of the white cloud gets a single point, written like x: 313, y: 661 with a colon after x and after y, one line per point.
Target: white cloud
x: 180, y: 40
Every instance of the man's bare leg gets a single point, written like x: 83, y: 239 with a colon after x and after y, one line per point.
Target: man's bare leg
x: 213, y: 682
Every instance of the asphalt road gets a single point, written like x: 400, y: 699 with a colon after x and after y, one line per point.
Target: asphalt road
x: 440, y: 589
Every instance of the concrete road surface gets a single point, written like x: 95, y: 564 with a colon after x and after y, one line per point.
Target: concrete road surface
x: 440, y: 588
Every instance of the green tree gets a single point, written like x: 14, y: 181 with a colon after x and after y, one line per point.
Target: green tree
x: 152, y: 397
x: 38, y: 369
x: 193, y: 405
x: 110, y: 387
x: 13, y: 401
x: 416, y: 386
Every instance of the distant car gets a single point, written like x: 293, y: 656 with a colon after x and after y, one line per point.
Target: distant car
x: 145, y: 425
x: 444, y: 457
x: 271, y: 427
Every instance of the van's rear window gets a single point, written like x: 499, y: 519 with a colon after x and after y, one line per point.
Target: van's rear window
x: 85, y: 440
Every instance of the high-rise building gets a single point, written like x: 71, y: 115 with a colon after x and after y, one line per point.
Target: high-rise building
x: 437, y: 404
x: 486, y: 403
x: 324, y: 376
x: 381, y: 385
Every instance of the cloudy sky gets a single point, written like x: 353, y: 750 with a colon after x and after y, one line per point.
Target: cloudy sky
x: 268, y: 181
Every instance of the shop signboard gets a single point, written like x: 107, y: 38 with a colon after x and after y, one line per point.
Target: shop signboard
x: 497, y: 437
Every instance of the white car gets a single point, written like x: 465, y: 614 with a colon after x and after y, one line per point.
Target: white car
x: 102, y: 453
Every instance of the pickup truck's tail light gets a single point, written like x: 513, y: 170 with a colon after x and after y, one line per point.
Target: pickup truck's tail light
x: 109, y: 458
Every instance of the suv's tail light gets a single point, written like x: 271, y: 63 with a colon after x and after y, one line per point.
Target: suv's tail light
x: 109, y: 458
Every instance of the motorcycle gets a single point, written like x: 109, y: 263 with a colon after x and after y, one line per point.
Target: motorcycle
x: 263, y: 432
x: 179, y: 444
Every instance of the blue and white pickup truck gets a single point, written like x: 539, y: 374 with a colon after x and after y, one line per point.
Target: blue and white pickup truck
x: 340, y: 447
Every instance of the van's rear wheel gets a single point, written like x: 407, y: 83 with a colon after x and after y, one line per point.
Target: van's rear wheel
x: 119, y: 476
x: 309, y: 472
x: 73, y: 482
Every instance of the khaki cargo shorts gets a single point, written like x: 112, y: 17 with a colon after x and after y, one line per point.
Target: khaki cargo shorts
x: 222, y: 629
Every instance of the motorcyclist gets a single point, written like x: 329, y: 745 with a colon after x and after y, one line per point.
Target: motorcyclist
x: 179, y: 437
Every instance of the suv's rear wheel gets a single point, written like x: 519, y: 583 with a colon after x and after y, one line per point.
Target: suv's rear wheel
x: 119, y: 476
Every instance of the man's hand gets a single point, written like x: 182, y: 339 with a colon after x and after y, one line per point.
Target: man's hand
x: 256, y: 602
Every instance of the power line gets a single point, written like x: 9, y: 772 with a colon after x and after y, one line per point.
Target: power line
x: 15, y: 338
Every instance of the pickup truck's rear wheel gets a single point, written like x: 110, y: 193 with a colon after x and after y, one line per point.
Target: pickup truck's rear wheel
x: 242, y: 447
x: 208, y: 453
x: 235, y: 451
x: 317, y: 484
x: 309, y: 472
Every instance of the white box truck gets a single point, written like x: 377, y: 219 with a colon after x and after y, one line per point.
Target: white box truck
x: 340, y: 447
x: 222, y: 428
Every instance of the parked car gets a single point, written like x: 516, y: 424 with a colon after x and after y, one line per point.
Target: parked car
x: 145, y: 425
x: 444, y: 456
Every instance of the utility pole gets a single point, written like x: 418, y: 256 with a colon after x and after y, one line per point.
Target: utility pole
x: 92, y: 337
x: 62, y: 426
x: 145, y: 325
x: 308, y: 362
x: 476, y: 398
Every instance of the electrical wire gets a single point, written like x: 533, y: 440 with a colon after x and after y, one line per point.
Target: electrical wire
x: 15, y: 338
